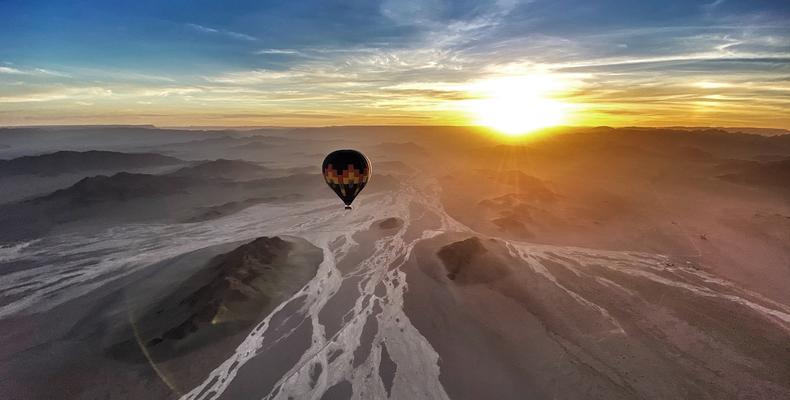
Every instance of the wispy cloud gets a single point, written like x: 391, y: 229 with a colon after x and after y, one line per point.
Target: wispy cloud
x: 48, y: 72
x: 250, y: 77
x: 32, y: 71
x: 276, y: 51
x: 223, y: 32
x: 71, y: 93
x: 9, y: 70
x: 710, y: 7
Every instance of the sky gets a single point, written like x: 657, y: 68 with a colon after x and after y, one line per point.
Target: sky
x: 430, y: 62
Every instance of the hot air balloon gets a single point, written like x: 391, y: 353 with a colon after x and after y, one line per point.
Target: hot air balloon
x: 346, y: 172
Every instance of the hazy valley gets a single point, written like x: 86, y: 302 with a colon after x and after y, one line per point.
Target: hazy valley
x: 138, y: 262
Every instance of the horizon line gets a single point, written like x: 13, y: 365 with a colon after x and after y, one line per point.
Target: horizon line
x: 282, y: 127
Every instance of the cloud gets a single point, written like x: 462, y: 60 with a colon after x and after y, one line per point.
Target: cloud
x: 710, y: 7
x: 412, y: 11
x: 9, y: 70
x: 48, y: 72
x: 250, y: 77
x: 276, y: 51
x: 611, y: 71
x: 34, y: 71
x: 127, y: 76
x: 223, y: 32
x: 168, y: 91
x: 69, y: 93
x: 407, y: 59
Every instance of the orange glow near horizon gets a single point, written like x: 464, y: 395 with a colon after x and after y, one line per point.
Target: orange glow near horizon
x: 513, y: 100
x: 518, y: 105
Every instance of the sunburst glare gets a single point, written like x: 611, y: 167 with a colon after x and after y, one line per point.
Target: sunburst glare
x: 518, y: 105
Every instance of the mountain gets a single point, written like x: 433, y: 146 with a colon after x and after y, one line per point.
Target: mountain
x: 236, y: 289
x: 595, y: 264
x: 223, y: 169
x: 197, y: 310
x: 63, y: 162
x: 769, y: 174
x: 410, y: 148
x: 528, y: 185
x: 190, y: 195
x: 749, y: 130
x: 510, y: 318
x: 49, y: 138
x: 119, y: 187
x: 97, y: 200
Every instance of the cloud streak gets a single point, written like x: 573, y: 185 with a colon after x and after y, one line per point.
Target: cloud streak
x: 222, y: 32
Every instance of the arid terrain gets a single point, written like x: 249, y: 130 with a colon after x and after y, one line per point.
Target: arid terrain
x: 576, y: 263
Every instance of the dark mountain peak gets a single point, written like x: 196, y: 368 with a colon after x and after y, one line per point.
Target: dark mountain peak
x: 469, y: 261
x: 263, y: 250
x: 463, y: 250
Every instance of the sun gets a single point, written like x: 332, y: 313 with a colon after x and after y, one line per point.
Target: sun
x: 517, y: 105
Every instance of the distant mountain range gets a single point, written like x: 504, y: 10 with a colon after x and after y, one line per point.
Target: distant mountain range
x: 28, y: 140
x: 63, y: 162
x: 198, y: 192
x: 223, y: 169
x: 119, y: 187
x: 749, y: 130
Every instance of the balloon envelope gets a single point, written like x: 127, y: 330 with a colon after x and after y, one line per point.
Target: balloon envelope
x: 346, y: 172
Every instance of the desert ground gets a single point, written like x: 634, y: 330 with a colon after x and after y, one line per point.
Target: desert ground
x: 576, y: 263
